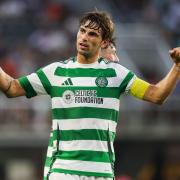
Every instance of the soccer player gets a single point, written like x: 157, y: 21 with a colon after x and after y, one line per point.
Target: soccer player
x: 85, y: 93
x: 109, y: 53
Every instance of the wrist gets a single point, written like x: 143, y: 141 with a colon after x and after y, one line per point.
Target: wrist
x: 177, y: 67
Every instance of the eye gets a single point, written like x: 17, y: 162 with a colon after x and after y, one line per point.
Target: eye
x: 93, y: 34
x: 82, y: 30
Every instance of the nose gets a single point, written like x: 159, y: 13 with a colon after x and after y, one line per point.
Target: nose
x: 84, y: 37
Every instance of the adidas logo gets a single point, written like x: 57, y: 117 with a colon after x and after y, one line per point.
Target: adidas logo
x: 68, y: 82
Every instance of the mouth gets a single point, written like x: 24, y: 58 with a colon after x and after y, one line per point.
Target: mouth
x: 83, y: 45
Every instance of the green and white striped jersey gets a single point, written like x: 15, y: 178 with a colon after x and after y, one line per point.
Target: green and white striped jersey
x: 85, y: 111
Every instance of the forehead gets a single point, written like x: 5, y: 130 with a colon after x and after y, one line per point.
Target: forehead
x: 91, y: 26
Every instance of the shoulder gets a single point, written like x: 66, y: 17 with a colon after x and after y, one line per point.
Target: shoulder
x: 121, y: 71
x: 111, y: 64
x: 59, y: 63
x: 50, y: 68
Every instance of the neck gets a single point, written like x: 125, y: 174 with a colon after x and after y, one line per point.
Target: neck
x: 87, y: 60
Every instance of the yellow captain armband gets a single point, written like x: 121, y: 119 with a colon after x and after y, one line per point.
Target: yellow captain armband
x: 138, y: 88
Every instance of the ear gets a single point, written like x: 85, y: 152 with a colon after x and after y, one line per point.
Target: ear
x: 104, y: 44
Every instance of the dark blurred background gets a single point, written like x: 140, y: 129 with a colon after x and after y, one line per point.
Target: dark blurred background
x: 34, y: 33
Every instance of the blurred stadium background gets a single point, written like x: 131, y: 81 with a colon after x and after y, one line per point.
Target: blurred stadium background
x: 34, y: 33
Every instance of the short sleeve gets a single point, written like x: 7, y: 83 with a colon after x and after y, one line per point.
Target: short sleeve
x: 127, y: 78
x: 37, y: 83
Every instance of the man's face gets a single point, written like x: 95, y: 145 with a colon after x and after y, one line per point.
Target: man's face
x: 89, y: 40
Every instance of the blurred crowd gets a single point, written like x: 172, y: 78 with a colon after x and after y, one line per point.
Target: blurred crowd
x: 163, y: 13
x: 34, y: 33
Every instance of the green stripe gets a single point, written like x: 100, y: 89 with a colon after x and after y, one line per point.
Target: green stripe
x: 82, y: 173
x: 26, y: 85
x: 44, y: 80
x: 88, y: 72
x: 85, y: 134
x: 48, y: 161
x: 125, y: 82
x: 50, y: 141
x: 85, y: 112
x: 111, y: 92
x: 84, y: 155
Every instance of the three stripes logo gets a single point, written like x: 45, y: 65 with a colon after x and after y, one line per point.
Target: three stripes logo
x: 68, y: 82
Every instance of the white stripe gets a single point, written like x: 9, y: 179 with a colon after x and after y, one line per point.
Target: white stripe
x: 36, y: 84
x: 49, y: 72
x: 49, y: 151
x: 51, y: 134
x: 84, y: 123
x: 109, y: 103
x: 84, y: 81
x: 46, y: 170
x: 57, y: 80
x: 87, y: 166
x: 91, y: 81
x: 95, y: 65
x: 130, y: 83
x: 76, y: 145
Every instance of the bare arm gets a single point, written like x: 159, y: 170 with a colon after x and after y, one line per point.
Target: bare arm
x: 159, y: 92
x: 9, y: 86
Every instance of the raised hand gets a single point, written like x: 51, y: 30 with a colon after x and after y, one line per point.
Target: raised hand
x: 175, y: 55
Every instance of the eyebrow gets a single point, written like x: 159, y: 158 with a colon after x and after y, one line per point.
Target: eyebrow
x: 82, y: 27
x: 93, y: 32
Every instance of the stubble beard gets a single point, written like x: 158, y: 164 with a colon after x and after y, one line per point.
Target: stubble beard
x: 85, y: 54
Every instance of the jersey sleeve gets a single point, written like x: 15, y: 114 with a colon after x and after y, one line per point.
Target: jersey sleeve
x: 125, y: 78
x: 37, y: 83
